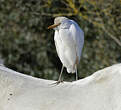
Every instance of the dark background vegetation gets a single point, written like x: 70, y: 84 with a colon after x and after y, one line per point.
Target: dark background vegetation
x: 28, y: 47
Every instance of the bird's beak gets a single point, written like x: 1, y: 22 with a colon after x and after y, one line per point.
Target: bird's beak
x: 53, y: 26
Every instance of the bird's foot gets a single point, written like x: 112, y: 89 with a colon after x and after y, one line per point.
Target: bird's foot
x: 58, y: 82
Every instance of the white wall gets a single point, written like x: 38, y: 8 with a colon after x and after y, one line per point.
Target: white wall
x: 100, y: 91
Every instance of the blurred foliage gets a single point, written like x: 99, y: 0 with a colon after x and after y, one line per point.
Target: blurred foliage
x: 28, y: 47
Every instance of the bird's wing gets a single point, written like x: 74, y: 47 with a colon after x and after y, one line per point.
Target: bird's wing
x: 56, y: 42
x: 78, y: 36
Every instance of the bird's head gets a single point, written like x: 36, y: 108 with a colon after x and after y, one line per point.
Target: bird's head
x: 59, y: 21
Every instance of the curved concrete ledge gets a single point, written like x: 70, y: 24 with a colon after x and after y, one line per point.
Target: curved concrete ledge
x: 100, y: 91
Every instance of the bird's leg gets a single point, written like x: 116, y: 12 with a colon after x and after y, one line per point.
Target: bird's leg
x: 59, y: 79
x: 76, y: 72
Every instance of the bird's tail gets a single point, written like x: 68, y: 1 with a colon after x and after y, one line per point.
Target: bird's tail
x: 71, y: 70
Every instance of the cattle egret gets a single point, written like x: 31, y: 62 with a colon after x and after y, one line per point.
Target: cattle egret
x: 69, y: 40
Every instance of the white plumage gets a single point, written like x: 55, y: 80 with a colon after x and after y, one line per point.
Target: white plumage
x: 69, y: 40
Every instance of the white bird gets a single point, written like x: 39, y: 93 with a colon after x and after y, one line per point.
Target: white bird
x: 69, y: 40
